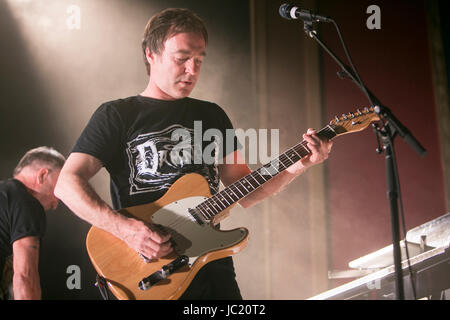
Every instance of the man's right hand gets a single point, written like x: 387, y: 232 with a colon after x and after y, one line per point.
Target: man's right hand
x: 145, y: 239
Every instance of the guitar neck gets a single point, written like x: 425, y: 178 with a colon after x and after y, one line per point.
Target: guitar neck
x: 249, y: 183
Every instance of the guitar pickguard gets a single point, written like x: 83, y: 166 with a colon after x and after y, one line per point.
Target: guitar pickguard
x: 191, y: 238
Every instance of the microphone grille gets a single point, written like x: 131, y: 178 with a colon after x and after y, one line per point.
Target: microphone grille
x: 285, y: 11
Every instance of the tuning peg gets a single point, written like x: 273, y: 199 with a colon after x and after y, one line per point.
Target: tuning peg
x: 337, y: 119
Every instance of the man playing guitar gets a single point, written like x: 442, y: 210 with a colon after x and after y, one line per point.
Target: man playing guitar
x: 130, y: 138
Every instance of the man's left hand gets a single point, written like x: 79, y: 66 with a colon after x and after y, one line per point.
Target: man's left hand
x: 320, y: 149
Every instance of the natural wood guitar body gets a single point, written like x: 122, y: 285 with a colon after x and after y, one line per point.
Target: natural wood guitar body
x: 123, y: 268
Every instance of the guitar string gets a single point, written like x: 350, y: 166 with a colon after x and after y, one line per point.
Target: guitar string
x: 217, y: 200
x: 215, y: 204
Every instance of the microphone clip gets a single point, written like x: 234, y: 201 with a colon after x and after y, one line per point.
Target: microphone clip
x: 308, y: 28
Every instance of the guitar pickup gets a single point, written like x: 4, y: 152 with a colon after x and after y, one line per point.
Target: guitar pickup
x: 163, y: 273
x: 195, y: 213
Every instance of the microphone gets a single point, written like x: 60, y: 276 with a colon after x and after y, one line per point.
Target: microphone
x: 290, y: 12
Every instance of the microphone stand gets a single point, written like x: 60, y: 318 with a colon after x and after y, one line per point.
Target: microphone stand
x: 390, y: 127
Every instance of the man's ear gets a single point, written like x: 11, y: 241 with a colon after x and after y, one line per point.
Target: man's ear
x: 149, y: 56
x: 41, y: 175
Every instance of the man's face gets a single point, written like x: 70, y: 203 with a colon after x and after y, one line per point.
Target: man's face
x: 175, y: 71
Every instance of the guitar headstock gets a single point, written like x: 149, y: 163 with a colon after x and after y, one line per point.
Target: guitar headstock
x: 354, y: 122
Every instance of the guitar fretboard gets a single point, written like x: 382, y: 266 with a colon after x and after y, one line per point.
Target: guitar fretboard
x: 246, y: 185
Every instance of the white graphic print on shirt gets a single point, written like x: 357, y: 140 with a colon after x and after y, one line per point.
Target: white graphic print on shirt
x: 157, y: 159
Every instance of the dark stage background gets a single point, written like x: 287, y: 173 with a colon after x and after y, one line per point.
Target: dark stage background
x: 259, y: 70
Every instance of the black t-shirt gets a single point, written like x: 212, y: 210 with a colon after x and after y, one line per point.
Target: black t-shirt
x: 21, y: 215
x: 147, y: 144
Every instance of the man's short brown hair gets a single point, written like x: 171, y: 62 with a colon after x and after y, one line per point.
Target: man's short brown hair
x: 169, y: 23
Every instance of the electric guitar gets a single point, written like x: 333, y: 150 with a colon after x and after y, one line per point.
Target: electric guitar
x: 190, y: 214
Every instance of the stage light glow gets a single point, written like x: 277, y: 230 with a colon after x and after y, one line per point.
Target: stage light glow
x: 38, y: 15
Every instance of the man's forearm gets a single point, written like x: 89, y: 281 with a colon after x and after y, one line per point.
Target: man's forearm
x: 26, y: 287
x: 79, y: 196
x: 232, y: 169
x: 272, y: 187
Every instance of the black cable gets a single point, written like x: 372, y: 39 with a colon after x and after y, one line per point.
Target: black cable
x: 402, y: 216
x: 362, y: 86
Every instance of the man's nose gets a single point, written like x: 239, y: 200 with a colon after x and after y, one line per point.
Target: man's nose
x: 191, y: 67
